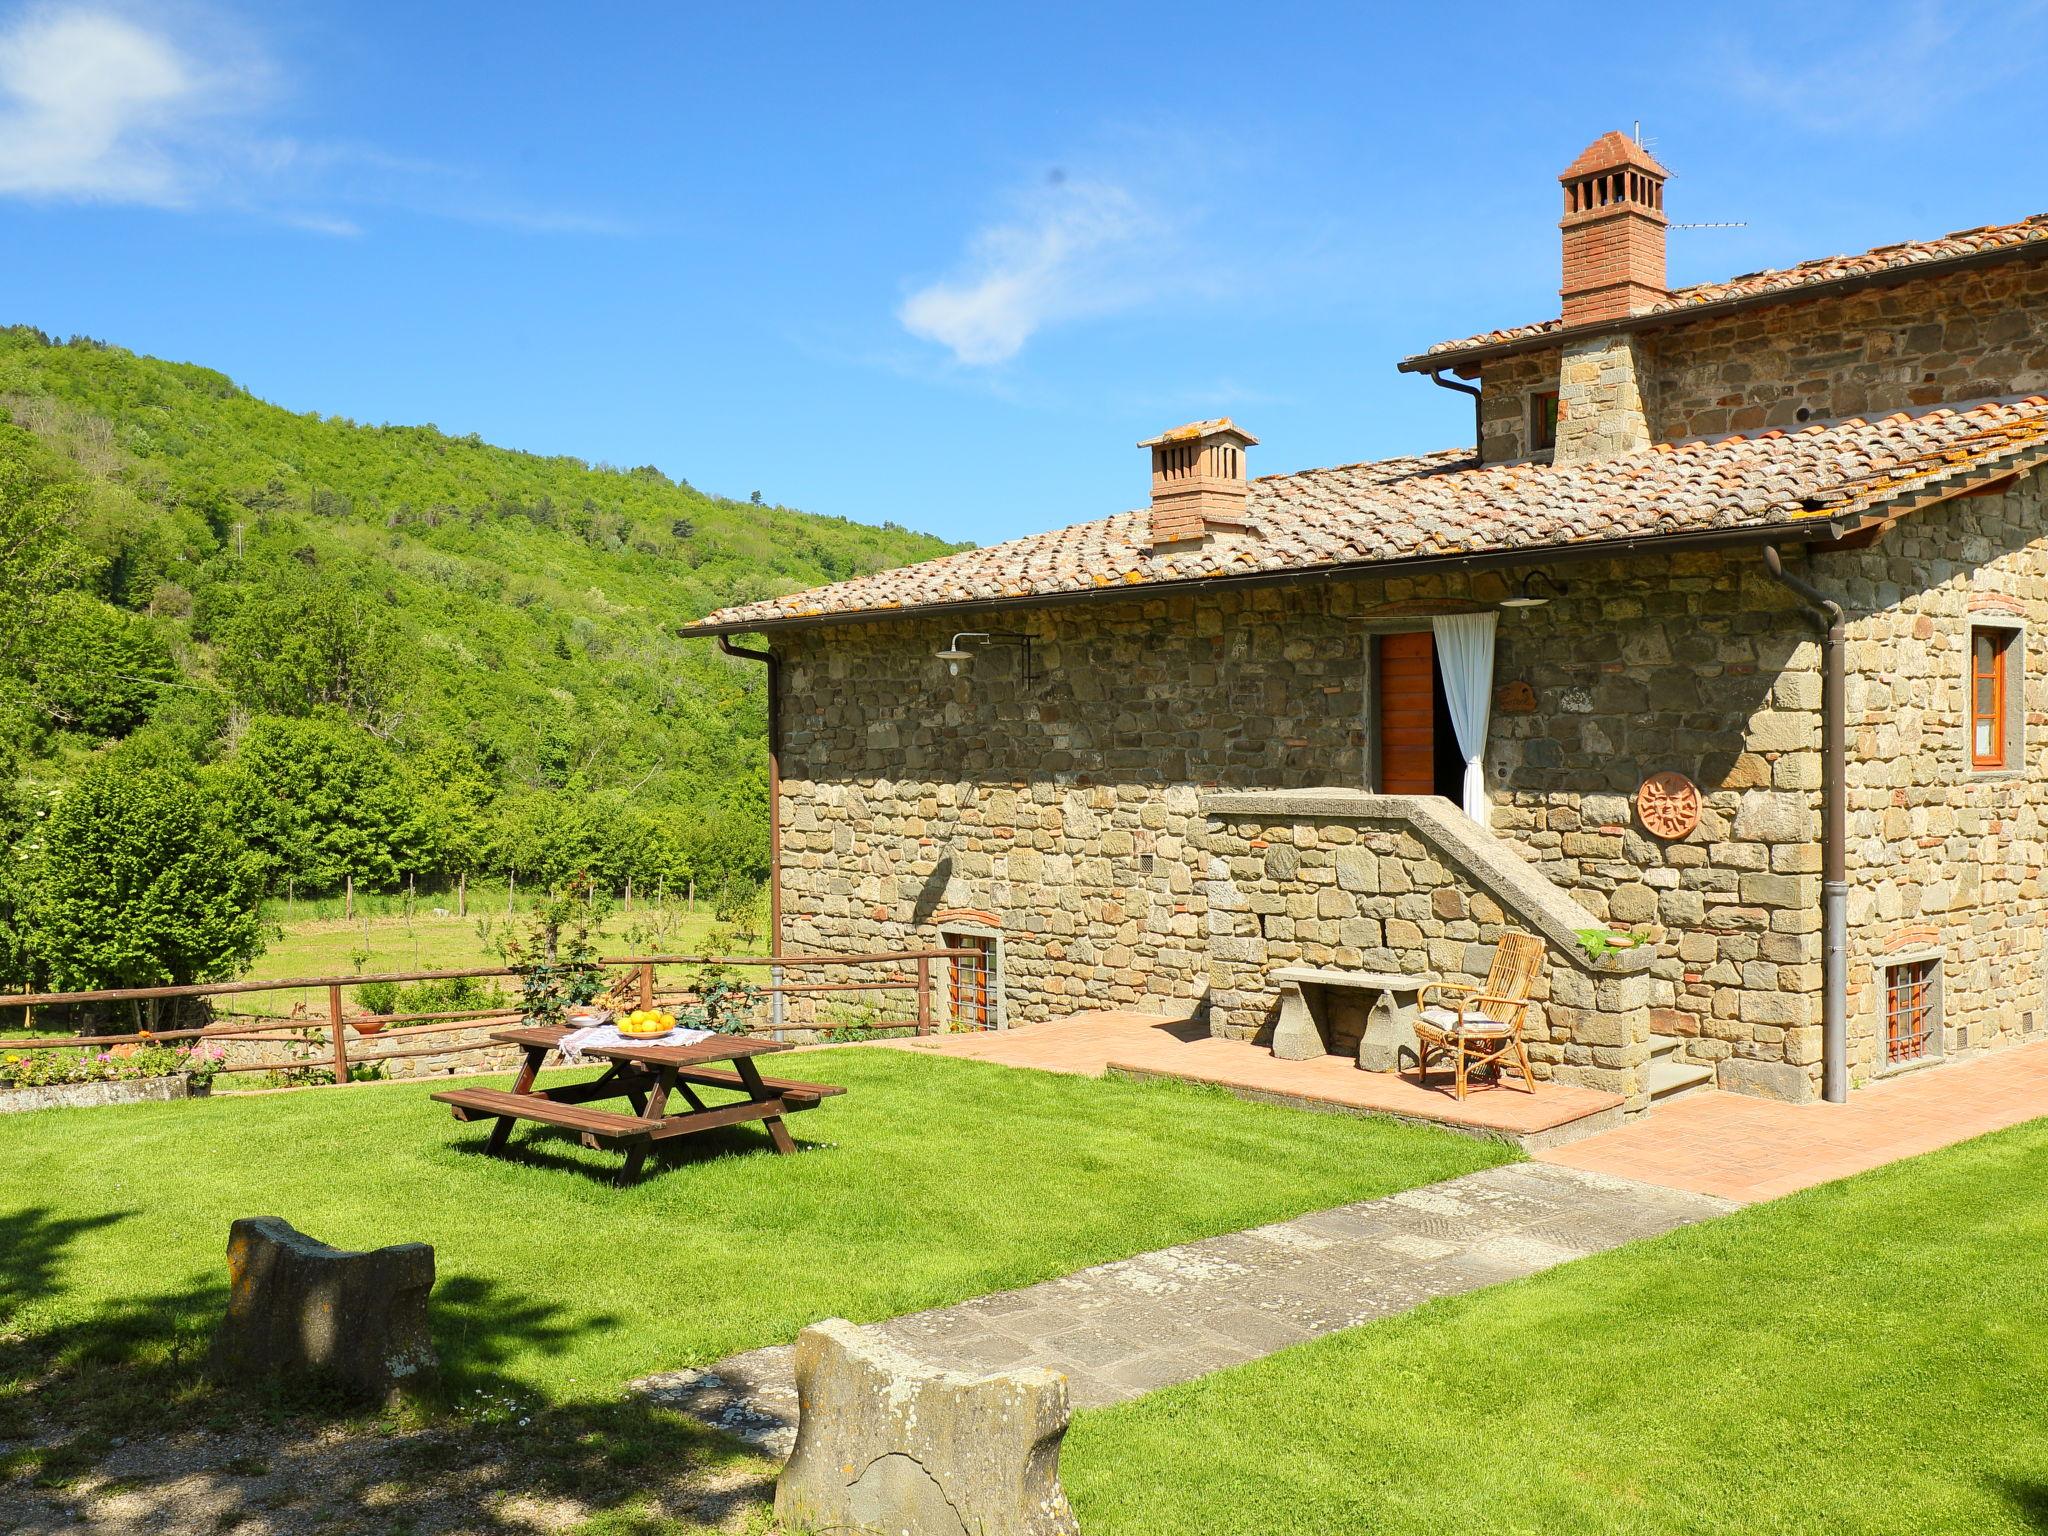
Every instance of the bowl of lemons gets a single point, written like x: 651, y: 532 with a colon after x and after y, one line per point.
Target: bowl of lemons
x: 647, y: 1021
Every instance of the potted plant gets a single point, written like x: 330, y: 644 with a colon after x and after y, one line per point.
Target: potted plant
x: 381, y: 999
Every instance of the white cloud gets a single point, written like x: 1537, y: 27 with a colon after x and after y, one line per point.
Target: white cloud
x: 164, y: 106
x: 1071, y: 249
x: 94, y: 108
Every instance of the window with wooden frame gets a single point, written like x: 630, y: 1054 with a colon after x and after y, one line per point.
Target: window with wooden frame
x: 1543, y: 420
x: 1912, y: 1009
x: 1994, y: 688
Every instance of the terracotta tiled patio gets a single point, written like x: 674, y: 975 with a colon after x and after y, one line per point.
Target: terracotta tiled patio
x: 1747, y: 1149
x: 1148, y: 1045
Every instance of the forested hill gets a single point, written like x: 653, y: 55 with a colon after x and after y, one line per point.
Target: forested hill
x: 385, y: 651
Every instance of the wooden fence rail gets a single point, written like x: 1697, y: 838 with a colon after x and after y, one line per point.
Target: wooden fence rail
x: 334, y: 1051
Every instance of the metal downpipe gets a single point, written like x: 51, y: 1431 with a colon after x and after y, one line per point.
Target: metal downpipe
x: 774, y: 668
x: 1436, y: 377
x: 1834, y: 888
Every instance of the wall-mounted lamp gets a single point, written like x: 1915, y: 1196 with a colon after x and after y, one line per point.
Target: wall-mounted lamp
x: 956, y: 654
x: 1523, y: 597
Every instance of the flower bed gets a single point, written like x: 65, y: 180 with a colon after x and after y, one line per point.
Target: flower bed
x: 49, y: 1078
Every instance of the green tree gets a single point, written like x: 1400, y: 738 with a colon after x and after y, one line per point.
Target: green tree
x: 141, y: 882
x: 453, y: 802
x: 322, y: 801
x: 306, y: 643
x: 16, y: 849
x: 96, y: 669
x: 40, y: 501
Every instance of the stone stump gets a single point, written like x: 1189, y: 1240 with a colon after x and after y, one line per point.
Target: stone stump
x: 300, y: 1312
x: 887, y: 1443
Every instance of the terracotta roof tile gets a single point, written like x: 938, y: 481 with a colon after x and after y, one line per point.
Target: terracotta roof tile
x: 1825, y: 269
x: 1611, y: 149
x: 1439, y: 504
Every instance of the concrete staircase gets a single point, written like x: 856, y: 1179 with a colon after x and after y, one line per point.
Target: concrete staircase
x: 1667, y: 1077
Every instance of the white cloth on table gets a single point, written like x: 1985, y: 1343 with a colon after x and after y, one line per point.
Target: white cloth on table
x: 577, y: 1041
x: 1439, y: 1017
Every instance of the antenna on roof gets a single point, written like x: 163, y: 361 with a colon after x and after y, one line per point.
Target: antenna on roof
x: 1718, y: 224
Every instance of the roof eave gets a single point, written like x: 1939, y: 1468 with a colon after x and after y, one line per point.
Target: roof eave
x: 1462, y: 359
x: 1818, y: 529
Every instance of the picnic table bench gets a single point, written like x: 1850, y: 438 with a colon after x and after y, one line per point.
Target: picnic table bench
x: 645, y: 1076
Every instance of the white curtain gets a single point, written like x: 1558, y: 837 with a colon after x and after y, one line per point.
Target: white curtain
x: 1464, y: 654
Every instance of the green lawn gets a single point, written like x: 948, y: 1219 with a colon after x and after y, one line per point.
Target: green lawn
x: 329, y: 946
x: 932, y: 1180
x: 1868, y: 1356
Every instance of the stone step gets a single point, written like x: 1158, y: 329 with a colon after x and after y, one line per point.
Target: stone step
x: 1669, y: 1078
x: 1664, y: 1047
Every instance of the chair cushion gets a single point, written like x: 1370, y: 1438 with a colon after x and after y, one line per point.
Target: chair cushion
x: 1439, y: 1017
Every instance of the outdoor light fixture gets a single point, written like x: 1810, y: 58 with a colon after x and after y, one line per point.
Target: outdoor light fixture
x: 1522, y: 597
x: 956, y: 653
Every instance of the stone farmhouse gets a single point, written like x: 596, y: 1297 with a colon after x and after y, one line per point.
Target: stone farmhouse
x: 1730, y: 634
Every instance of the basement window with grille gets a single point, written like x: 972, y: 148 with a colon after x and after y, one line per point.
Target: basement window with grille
x: 1912, y: 1010
x: 1543, y: 421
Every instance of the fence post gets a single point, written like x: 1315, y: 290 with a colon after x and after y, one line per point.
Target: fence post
x: 462, y: 894
x: 924, y: 994
x: 646, y: 983
x: 340, y: 1035
x: 348, y: 899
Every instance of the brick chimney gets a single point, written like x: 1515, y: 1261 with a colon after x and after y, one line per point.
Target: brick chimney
x: 1613, y: 231
x: 1613, y: 267
x: 1198, y: 481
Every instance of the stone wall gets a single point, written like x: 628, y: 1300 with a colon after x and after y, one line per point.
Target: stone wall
x: 1699, y: 665
x: 1600, y: 406
x: 1945, y: 860
x: 1357, y: 881
x: 1968, y: 336
x: 1065, y: 808
x: 1071, y: 810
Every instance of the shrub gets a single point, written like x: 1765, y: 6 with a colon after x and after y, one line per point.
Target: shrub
x: 455, y: 994
x: 378, y: 996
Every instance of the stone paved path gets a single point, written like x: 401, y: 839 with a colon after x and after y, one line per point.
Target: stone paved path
x: 1126, y: 1328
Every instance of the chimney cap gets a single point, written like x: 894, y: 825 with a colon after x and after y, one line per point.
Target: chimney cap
x: 1196, y: 430
x: 1611, y: 151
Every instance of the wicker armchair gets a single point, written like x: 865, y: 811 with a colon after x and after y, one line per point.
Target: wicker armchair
x: 1481, y: 1026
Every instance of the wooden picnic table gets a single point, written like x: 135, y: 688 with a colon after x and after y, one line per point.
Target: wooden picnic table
x: 645, y: 1076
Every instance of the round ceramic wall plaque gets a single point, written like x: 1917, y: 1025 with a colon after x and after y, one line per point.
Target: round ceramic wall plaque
x: 1669, y: 804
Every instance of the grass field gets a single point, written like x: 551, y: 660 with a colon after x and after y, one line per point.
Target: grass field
x: 1868, y: 1356
x: 332, y: 946
x: 930, y: 1181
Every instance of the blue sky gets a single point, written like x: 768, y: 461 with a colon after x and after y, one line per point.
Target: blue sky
x: 943, y: 265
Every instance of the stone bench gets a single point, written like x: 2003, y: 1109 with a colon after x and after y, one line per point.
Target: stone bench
x: 1307, y: 1028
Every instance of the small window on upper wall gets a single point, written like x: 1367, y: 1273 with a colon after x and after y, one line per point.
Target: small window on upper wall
x: 1543, y: 420
x: 1995, y: 657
